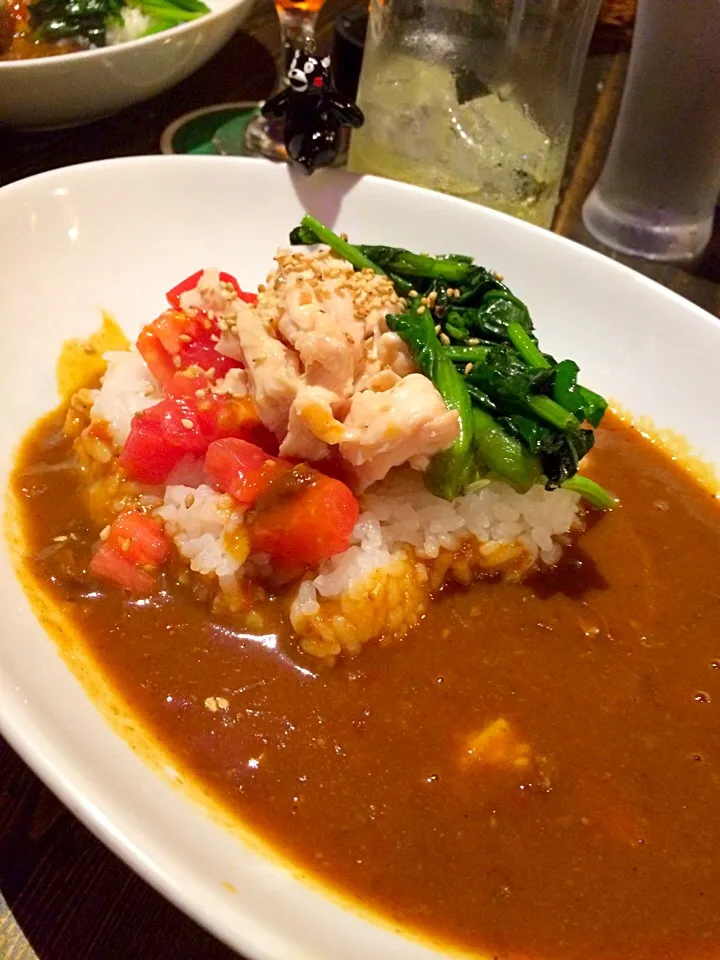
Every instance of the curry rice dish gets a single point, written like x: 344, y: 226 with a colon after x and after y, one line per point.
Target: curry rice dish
x: 346, y: 547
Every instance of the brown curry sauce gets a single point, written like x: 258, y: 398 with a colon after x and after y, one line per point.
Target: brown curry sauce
x: 608, y: 667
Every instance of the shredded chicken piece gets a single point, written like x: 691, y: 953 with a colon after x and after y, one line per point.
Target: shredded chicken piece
x: 324, y: 370
x: 326, y: 335
x: 312, y: 426
x: 273, y: 369
x: 383, y: 430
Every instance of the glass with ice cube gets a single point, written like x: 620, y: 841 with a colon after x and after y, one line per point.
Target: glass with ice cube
x: 473, y: 97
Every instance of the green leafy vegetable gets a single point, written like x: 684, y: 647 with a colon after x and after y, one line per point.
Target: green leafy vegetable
x: 592, y: 492
x: 503, y: 454
x: 52, y: 20
x: 89, y: 20
x: 312, y: 231
x: 523, y: 414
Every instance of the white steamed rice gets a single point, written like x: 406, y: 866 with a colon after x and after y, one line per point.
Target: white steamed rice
x: 128, y: 387
x: 132, y: 25
x: 198, y: 519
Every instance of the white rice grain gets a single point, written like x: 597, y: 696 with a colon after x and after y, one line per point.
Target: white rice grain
x: 133, y: 24
x: 198, y: 519
x: 127, y: 388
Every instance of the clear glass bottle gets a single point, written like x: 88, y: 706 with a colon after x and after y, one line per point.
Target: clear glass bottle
x: 473, y: 97
x: 657, y: 193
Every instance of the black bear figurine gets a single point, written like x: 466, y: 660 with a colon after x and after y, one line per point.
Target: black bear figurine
x: 314, y: 112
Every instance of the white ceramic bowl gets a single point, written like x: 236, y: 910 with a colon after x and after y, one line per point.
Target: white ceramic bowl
x: 115, y: 235
x: 79, y: 87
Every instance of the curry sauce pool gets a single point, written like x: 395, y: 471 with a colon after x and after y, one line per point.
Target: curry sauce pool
x: 369, y: 775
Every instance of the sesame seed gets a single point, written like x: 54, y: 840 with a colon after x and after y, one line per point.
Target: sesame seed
x: 425, y: 302
x: 105, y: 532
x: 187, y: 423
x: 473, y: 341
x: 184, y: 338
x: 61, y: 539
x: 444, y: 339
x: 414, y: 294
x: 438, y: 328
x: 421, y: 309
x: 468, y: 368
x: 189, y: 500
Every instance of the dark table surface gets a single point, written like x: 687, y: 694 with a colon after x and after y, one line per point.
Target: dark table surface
x: 63, y: 896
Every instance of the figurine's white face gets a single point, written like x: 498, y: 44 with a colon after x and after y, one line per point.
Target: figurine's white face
x: 304, y: 69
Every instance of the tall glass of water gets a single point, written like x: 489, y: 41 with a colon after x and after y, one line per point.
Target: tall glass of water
x: 657, y: 193
x: 473, y: 97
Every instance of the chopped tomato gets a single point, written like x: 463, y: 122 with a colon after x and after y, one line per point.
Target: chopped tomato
x: 173, y: 296
x: 135, y: 543
x: 147, y: 456
x: 176, y: 340
x: 187, y: 422
x: 171, y: 325
x: 155, y: 355
x: 304, y: 517
x: 180, y: 385
x: 242, y: 469
x: 140, y: 537
x: 181, y: 425
x: 204, y: 355
x: 110, y: 564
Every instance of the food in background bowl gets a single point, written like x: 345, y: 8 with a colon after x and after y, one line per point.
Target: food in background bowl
x: 45, y: 28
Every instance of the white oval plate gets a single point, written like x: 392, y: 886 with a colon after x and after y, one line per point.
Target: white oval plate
x: 115, y: 235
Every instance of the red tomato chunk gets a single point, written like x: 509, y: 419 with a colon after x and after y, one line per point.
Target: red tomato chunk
x: 243, y: 469
x: 304, y: 518
x: 184, y: 424
x: 140, y: 537
x: 177, y: 340
x: 136, y: 545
